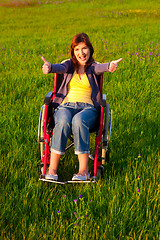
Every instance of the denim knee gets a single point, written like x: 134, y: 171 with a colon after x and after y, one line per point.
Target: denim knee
x: 76, y: 121
x: 63, y: 123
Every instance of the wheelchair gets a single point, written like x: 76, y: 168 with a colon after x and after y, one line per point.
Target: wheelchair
x: 100, y: 156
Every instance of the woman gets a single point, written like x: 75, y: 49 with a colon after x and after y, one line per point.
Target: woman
x: 77, y: 103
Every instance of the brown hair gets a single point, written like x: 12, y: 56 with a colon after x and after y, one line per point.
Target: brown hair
x: 78, y: 38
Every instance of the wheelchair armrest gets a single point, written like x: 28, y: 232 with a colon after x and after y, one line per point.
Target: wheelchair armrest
x: 48, y: 98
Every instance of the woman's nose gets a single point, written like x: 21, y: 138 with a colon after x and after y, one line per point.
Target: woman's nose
x: 82, y: 52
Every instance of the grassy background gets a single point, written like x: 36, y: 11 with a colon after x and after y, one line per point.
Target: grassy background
x: 123, y: 205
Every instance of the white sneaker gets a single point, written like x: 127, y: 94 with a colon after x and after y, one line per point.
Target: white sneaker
x: 77, y: 177
x: 52, y: 177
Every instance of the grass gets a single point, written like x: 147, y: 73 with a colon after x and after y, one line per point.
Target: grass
x: 125, y: 203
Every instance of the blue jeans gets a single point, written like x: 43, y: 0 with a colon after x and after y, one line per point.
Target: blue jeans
x: 77, y: 118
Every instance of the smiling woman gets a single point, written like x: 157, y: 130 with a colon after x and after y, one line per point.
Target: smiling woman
x: 112, y: 208
x: 78, y: 103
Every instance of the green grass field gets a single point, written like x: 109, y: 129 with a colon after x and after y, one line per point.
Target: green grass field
x: 125, y: 203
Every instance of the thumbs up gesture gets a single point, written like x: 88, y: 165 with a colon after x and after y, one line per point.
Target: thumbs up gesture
x: 46, y: 68
x: 113, y: 65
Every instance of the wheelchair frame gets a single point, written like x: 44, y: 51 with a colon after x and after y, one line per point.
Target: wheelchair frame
x: 102, y: 138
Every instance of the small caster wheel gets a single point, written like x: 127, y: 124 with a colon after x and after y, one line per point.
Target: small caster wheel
x: 42, y: 176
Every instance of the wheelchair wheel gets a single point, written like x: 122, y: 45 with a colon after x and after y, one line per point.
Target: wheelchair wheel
x: 106, y: 123
x: 105, y: 157
x: 106, y: 134
x: 41, y: 132
x: 100, y: 170
x: 107, y: 153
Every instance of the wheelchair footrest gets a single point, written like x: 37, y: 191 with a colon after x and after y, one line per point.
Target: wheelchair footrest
x: 87, y: 181
x: 46, y: 180
x: 66, y: 182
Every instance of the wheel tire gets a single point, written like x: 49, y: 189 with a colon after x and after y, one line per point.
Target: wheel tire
x: 106, y: 135
x: 107, y: 155
x: 100, y: 170
x: 41, y: 133
x: 106, y: 122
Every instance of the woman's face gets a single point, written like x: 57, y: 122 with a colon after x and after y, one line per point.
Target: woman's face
x: 82, y: 53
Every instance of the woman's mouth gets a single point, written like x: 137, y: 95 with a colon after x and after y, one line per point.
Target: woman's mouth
x: 83, y: 58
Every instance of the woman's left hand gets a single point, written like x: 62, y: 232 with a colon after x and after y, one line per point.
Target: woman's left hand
x: 113, y: 65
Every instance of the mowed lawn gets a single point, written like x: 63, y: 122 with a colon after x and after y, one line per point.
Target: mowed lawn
x: 124, y: 204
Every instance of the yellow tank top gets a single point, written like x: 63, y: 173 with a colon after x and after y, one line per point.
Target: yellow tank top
x: 79, y: 90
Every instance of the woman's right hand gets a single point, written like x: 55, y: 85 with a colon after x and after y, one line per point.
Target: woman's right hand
x: 46, y: 68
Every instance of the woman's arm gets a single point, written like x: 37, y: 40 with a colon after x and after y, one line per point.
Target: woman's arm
x: 55, y: 68
x: 106, y: 67
x: 101, y: 68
